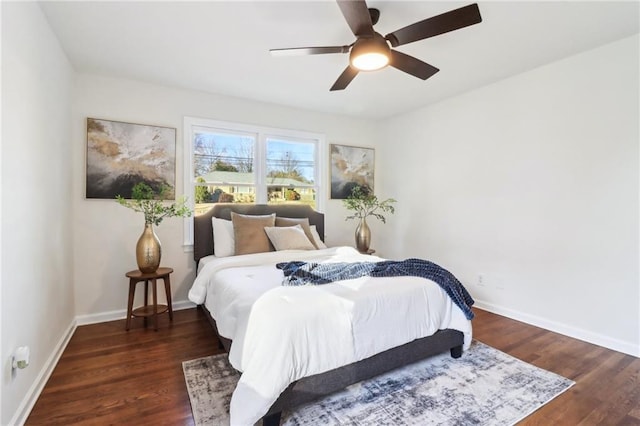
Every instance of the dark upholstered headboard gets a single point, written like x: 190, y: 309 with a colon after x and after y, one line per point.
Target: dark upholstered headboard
x: 203, y: 227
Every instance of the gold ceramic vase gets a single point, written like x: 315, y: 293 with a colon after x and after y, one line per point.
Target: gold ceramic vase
x: 363, y: 236
x: 148, y: 250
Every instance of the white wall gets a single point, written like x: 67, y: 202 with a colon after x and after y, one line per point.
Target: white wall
x: 37, y: 278
x: 106, y: 233
x: 533, y: 182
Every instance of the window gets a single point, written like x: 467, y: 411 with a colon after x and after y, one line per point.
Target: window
x: 239, y: 163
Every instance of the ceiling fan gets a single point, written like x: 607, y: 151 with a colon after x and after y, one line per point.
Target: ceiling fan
x: 371, y: 50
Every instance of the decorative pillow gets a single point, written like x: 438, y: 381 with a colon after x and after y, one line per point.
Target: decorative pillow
x: 249, y: 235
x: 302, y: 221
x: 223, y: 238
x: 316, y: 238
x: 288, y: 238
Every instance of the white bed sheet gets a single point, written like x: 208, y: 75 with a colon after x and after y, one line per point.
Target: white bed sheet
x: 281, y: 334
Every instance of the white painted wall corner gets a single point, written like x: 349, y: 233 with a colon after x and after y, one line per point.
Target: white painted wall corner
x: 29, y: 400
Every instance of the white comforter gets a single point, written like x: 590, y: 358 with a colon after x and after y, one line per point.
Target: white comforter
x: 281, y: 334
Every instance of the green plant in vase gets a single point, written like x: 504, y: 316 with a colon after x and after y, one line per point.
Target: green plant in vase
x: 146, y: 201
x: 364, y: 203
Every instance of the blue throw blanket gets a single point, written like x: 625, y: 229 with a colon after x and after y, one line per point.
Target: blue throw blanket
x: 301, y: 273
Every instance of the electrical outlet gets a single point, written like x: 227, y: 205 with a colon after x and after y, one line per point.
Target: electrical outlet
x: 481, y: 280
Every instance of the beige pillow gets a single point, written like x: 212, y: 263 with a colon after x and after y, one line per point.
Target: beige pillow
x: 302, y: 221
x: 249, y: 235
x: 288, y: 238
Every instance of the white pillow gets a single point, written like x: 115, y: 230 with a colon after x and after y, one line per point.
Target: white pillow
x: 316, y: 238
x: 288, y: 238
x: 223, y: 238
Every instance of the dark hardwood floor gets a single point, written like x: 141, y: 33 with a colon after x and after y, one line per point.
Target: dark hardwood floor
x: 109, y: 376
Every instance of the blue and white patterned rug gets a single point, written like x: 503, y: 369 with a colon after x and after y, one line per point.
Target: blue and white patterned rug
x: 483, y: 387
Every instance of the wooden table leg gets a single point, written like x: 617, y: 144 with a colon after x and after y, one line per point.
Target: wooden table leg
x: 146, y: 299
x: 155, y: 304
x: 132, y: 290
x: 167, y: 291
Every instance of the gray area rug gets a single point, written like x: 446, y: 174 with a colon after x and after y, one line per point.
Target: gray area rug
x: 483, y: 387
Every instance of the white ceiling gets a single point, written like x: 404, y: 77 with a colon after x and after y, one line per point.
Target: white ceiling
x: 223, y: 47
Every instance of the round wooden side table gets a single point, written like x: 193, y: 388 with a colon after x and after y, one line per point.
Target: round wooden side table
x: 149, y: 310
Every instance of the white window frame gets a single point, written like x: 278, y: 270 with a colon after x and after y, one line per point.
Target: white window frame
x: 191, y: 124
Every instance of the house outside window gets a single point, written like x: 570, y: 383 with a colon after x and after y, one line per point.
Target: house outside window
x: 240, y: 163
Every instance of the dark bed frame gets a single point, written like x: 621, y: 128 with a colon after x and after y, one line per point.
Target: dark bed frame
x: 313, y: 387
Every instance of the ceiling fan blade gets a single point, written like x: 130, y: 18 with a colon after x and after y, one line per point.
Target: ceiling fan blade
x: 345, y: 78
x: 357, y: 16
x: 436, y: 25
x: 319, y: 50
x: 412, y: 65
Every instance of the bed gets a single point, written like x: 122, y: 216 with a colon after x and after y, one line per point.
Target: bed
x: 369, y: 360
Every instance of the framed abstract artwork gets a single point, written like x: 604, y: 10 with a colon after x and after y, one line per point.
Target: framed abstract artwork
x: 120, y: 155
x: 350, y: 166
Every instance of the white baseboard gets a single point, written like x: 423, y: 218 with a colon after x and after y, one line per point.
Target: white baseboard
x: 567, y: 330
x: 122, y: 314
x: 25, y: 407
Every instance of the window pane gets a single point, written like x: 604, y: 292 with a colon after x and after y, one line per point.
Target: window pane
x: 207, y: 195
x: 292, y: 195
x: 290, y: 163
x: 223, y: 157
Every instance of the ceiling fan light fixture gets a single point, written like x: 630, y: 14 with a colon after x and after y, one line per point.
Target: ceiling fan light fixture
x: 370, y: 61
x: 370, y: 54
